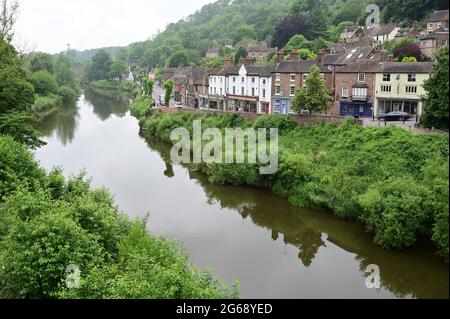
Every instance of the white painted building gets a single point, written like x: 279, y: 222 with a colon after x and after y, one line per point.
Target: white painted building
x: 242, y: 88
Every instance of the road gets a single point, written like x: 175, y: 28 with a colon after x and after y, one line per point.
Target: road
x: 157, y: 92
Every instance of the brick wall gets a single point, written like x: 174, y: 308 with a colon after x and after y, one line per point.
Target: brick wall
x: 315, y: 119
x: 348, y: 80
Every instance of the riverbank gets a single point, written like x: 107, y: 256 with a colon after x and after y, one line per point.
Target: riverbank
x: 393, y: 181
x: 50, y: 225
x: 114, y: 89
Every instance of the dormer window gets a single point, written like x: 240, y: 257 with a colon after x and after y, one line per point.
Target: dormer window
x: 386, y: 77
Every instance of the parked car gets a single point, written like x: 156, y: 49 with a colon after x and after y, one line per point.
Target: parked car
x: 305, y: 112
x: 395, y: 116
x: 178, y: 105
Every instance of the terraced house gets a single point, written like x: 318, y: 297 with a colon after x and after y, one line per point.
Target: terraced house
x: 290, y: 76
x: 241, y: 88
x: 399, y: 87
x: 354, y: 93
x: 198, y: 84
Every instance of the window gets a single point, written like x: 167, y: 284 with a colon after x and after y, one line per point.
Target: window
x: 234, y: 79
x: 242, y: 91
x: 386, y: 88
x: 292, y: 92
x: 253, y: 92
x: 361, y: 77
x: 264, y: 81
x: 221, y: 91
x: 234, y: 90
x: 430, y: 26
x: 439, y: 25
x: 304, y: 77
x: 359, y: 94
x: 242, y: 80
x: 411, y: 78
x: 253, y: 80
x: 277, y: 77
x: 411, y: 89
x: 345, y: 92
x: 264, y: 93
x: 277, y: 90
x: 292, y: 77
x: 215, y: 90
x: 386, y: 77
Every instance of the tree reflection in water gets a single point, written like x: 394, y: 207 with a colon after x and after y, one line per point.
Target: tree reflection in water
x: 310, y: 231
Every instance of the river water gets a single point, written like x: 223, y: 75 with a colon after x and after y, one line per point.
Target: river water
x: 251, y: 235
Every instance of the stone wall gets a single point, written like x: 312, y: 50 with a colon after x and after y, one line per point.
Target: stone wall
x: 314, y: 119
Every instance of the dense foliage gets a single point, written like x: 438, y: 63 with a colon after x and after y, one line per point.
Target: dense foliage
x: 48, y: 223
x: 393, y: 181
x: 314, y: 96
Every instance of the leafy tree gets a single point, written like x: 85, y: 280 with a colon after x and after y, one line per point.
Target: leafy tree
x: 302, y: 6
x: 118, y: 69
x: 18, y: 126
x: 413, y: 10
x: 214, y: 63
x: 437, y: 87
x: 409, y: 50
x: 68, y: 95
x: 169, y: 90
x: 179, y: 58
x: 41, y: 62
x: 315, y: 96
x: 318, y: 20
x: 100, y: 66
x: 240, y: 53
x: 245, y: 31
x: 304, y: 54
x: 64, y: 72
x: 148, y: 86
x: 16, y: 93
x: 287, y: 28
x: 44, y: 82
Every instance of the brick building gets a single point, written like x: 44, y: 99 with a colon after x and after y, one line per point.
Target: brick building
x: 354, y: 91
x: 288, y: 77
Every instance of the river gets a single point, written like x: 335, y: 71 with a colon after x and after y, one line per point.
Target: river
x: 251, y: 235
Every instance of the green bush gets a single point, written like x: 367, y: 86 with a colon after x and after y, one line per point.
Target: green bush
x: 48, y: 223
x: 17, y: 167
x: 399, y: 212
x: 141, y: 107
x: 44, y: 103
x: 44, y: 83
x: 384, y: 177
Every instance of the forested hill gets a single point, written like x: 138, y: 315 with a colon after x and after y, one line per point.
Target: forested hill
x: 239, y: 23
x: 224, y: 22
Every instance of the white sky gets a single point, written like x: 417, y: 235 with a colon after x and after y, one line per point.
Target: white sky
x: 49, y: 25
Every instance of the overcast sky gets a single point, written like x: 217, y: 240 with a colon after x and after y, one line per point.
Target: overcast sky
x: 49, y: 25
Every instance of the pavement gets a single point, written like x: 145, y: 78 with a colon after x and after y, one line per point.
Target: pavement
x: 410, y: 124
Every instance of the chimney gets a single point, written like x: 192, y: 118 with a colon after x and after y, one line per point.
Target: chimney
x: 246, y: 61
x: 294, y: 56
x: 384, y: 56
x: 320, y: 56
x: 280, y: 56
x: 227, y: 61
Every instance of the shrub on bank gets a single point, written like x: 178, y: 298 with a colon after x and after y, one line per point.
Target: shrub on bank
x: 380, y: 176
x: 48, y: 223
x: 68, y: 95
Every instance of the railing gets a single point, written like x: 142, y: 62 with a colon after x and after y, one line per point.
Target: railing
x: 360, y: 97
